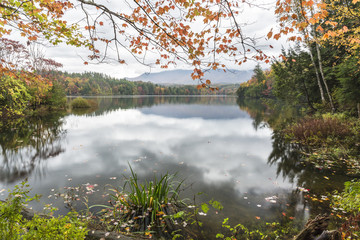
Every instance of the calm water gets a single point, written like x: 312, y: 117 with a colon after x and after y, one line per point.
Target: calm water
x: 222, y: 148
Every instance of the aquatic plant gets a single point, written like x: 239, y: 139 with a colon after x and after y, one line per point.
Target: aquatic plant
x: 80, y: 103
x: 143, y: 207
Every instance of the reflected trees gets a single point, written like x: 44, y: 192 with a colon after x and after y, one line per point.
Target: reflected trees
x: 26, y: 143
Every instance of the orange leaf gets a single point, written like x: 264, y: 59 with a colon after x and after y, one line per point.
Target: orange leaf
x: 269, y: 35
x: 320, y: 29
x: 101, y: 23
x: 312, y: 21
x: 208, y: 82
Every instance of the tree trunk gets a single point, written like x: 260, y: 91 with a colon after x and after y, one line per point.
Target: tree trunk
x: 316, y: 72
x: 315, y: 229
x: 323, y: 77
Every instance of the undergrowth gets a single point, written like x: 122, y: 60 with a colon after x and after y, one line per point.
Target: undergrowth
x: 328, y: 141
x: 14, y: 226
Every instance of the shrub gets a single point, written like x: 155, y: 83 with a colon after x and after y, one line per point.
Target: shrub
x: 13, y: 226
x: 80, y: 103
x: 349, y: 201
x: 14, y: 97
x: 315, y: 130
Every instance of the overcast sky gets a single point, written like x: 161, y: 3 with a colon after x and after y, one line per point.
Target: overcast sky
x: 259, y: 20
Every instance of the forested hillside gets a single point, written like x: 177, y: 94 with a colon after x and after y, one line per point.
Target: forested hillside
x: 91, y: 83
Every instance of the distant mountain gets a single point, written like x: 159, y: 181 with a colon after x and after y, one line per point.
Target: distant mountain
x: 183, y: 77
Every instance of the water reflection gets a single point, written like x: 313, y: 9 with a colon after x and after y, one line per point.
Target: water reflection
x: 314, y: 184
x: 26, y: 143
x: 220, y: 150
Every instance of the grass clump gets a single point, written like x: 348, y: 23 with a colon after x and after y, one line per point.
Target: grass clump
x: 143, y: 207
x: 80, y: 102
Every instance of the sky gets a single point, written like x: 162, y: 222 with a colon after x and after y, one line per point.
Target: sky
x: 259, y: 20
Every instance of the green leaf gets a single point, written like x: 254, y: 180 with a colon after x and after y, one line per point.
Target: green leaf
x: 204, y: 207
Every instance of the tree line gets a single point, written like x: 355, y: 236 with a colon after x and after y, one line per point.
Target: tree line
x: 92, y: 83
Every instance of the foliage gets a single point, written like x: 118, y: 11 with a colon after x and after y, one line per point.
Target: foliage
x: 349, y: 201
x: 36, y: 18
x: 259, y: 86
x: 14, y: 226
x: 348, y: 93
x: 67, y: 227
x: 343, y: 28
x: 294, y: 79
x: 80, y: 102
x: 269, y: 231
x: 56, y: 97
x: 21, y: 88
x: 14, y: 97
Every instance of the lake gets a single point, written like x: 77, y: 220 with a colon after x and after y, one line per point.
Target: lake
x: 225, y: 150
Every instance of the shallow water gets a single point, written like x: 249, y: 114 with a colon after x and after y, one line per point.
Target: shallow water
x: 211, y: 142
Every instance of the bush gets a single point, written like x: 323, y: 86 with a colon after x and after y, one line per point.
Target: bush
x: 80, y: 103
x: 14, y: 97
x: 316, y: 130
x: 348, y: 202
x: 13, y: 226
